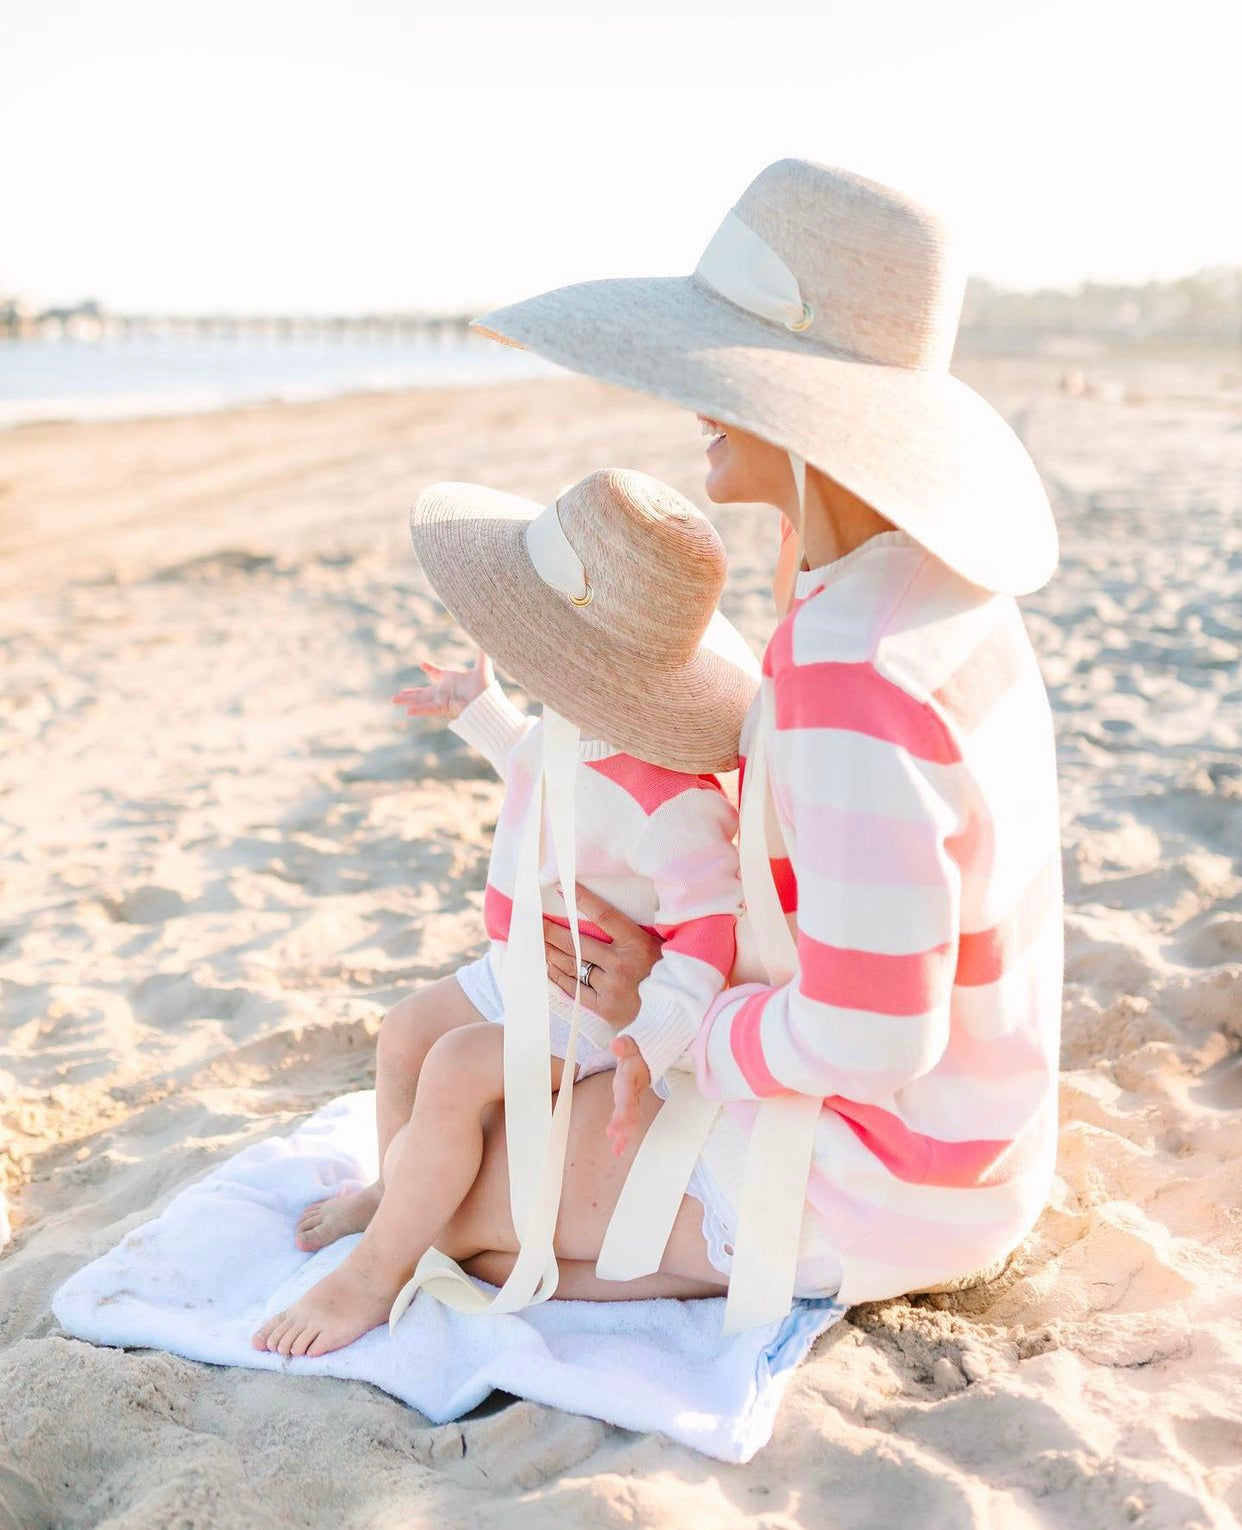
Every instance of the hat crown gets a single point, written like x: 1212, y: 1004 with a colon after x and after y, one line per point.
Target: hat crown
x: 655, y: 563
x: 881, y: 271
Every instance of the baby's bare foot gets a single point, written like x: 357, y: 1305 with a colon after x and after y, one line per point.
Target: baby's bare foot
x: 342, y: 1307
x: 326, y: 1221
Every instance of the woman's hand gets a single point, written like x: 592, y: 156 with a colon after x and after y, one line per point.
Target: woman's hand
x: 451, y: 690
x: 620, y: 964
x: 631, y: 1077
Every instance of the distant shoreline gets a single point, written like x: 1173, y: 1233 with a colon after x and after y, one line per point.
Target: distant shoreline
x: 82, y: 381
x: 494, y: 365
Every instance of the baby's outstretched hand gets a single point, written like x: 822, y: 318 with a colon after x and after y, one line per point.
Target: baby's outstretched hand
x: 631, y: 1077
x: 451, y: 690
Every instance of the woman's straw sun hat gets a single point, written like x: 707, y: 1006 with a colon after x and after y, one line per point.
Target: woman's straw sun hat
x: 822, y: 317
x: 602, y: 605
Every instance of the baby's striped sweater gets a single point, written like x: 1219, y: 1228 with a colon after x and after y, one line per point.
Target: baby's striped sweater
x: 657, y: 844
x: 914, y: 839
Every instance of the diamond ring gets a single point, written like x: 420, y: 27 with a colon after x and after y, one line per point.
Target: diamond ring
x: 585, y: 969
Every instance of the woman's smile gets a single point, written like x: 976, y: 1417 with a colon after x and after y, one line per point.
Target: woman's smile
x: 713, y: 429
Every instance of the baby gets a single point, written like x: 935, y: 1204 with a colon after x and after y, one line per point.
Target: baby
x: 603, y: 607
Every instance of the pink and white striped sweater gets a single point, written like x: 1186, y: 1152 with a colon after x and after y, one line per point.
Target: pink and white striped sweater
x: 914, y: 835
x: 656, y: 843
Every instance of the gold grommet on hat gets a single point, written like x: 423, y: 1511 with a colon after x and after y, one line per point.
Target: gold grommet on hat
x: 808, y: 315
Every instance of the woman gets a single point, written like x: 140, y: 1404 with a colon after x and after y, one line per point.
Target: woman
x: 888, y: 1073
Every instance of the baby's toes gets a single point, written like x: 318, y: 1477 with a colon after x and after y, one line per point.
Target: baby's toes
x: 260, y: 1337
x: 277, y: 1335
x: 269, y: 1331
x: 301, y: 1341
x: 286, y: 1336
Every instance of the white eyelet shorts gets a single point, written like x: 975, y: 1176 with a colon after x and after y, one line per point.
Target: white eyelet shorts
x: 818, y: 1271
x: 478, y: 983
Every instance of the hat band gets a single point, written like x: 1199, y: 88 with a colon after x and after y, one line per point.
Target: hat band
x: 744, y: 268
x: 555, y: 560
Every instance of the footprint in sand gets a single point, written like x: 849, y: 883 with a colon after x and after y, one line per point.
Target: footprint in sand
x: 146, y: 905
x: 168, y: 998
x: 1218, y: 940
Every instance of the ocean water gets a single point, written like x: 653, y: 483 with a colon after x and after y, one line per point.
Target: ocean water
x: 118, y: 378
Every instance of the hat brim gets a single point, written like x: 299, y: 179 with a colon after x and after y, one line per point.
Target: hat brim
x: 921, y: 447
x: 471, y: 543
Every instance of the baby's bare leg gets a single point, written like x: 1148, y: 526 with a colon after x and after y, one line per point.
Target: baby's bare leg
x: 408, y: 1032
x: 434, y: 1169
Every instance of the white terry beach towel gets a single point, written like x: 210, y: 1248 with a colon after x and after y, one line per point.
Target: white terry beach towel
x: 202, y: 1276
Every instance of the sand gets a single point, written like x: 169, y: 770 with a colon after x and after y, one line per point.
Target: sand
x: 224, y: 854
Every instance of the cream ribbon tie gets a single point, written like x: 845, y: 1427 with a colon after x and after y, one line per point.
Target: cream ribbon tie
x: 554, y: 558
x: 743, y: 267
x: 782, y: 1140
x: 536, y: 1133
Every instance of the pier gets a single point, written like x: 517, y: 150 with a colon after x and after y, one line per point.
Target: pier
x: 88, y: 321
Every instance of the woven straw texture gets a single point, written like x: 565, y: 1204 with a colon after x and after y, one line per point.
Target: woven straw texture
x: 634, y: 666
x: 864, y: 393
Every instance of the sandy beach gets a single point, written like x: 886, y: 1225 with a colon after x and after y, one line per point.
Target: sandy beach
x: 225, y: 854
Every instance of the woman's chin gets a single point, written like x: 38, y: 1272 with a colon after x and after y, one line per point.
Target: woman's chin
x: 728, y: 481
x: 717, y: 486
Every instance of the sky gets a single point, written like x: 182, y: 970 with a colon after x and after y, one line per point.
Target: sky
x: 270, y: 156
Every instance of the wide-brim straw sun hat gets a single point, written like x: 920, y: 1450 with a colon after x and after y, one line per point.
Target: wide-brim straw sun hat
x: 822, y: 317
x: 602, y: 605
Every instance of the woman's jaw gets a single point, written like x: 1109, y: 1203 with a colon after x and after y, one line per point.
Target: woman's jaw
x: 743, y: 468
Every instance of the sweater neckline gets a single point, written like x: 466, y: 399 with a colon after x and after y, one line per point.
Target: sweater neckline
x: 595, y: 749
x: 588, y: 748
x: 810, y: 580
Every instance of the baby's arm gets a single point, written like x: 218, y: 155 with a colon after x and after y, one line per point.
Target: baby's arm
x: 473, y: 704
x: 688, y: 851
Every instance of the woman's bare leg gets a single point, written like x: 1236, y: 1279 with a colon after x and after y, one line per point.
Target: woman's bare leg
x: 437, y: 1164
x: 408, y: 1032
x: 481, y: 1237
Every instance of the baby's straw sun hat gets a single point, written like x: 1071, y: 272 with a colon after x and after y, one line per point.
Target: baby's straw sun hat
x: 602, y: 605
x: 822, y: 317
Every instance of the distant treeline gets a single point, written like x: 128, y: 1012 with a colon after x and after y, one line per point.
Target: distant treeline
x: 1205, y: 308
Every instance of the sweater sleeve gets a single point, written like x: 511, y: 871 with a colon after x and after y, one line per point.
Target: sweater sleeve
x: 688, y: 852
x: 873, y: 786
x: 492, y: 725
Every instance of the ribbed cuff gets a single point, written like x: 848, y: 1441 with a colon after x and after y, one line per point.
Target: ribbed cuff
x: 492, y: 725
x: 717, y: 1024
x: 663, y: 1031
